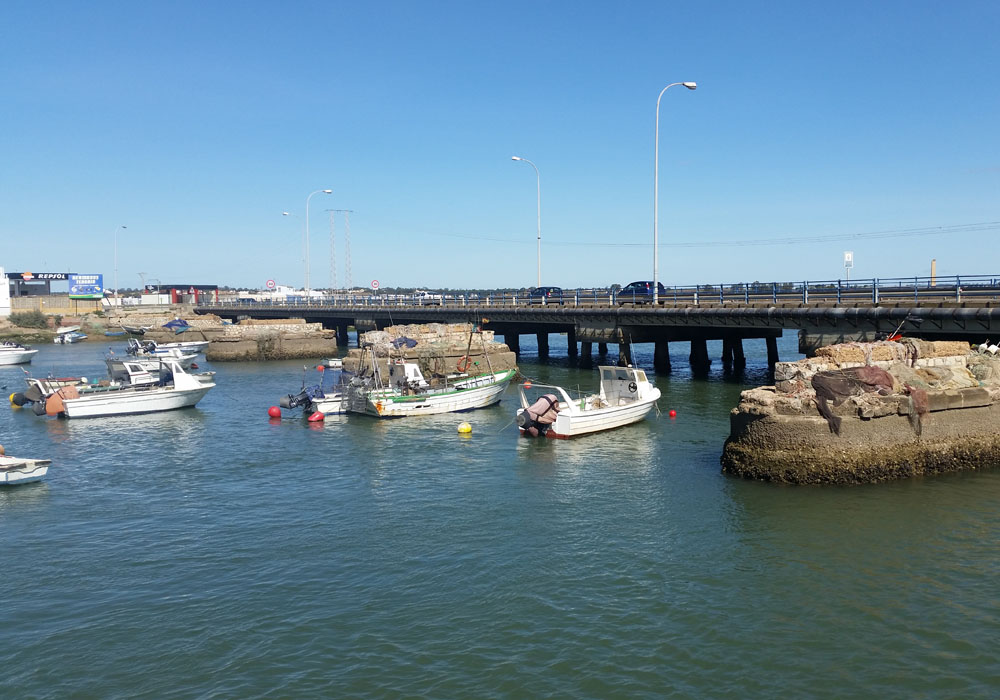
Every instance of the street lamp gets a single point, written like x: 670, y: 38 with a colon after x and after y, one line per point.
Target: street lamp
x: 116, y: 259
x: 656, y: 192
x: 538, y: 179
x: 307, y: 235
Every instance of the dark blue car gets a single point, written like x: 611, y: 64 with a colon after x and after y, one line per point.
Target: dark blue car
x: 639, y: 292
x: 545, y: 295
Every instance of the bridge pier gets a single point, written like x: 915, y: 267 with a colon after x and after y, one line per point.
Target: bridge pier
x: 727, y: 352
x: 602, y: 349
x: 661, y: 356
x: 739, y: 359
x: 586, y: 351
x: 513, y: 341
x: 624, y: 354
x: 343, y: 340
x: 543, y: 345
x: 571, y: 343
x: 772, y: 351
x: 699, y: 359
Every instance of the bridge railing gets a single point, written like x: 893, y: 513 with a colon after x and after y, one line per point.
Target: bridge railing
x: 867, y: 291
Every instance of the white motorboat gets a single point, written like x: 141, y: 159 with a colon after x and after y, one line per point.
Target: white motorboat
x: 333, y: 363
x: 625, y: 396
x: 68, y: 334
x: 174, y: 389
x: 405, y: 392
x: 326, y: 397
x: 187, y: 346
x: 149, y: 349
x: 18, y: 470
x: 15, y: 354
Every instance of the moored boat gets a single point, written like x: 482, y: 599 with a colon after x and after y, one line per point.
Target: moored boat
x: 19, y: 470
x: 326, y: 397
x: 405, y: 392
x: 65, y: 336
x: 624, y: 397
x: 15, y: 353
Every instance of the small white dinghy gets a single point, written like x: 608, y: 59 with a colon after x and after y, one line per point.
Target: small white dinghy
x: 18, y: 470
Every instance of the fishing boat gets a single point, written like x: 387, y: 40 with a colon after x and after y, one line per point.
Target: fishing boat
x: 405, y: 391
x: 18, y: 470
x: 15, y: 353
x: 173, y: 388
x: 625, y: 396
x: 194, y: 346
x: 326, y: 397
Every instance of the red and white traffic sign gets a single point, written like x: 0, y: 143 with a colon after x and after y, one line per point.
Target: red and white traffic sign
x: 269, y: 284
x: 374, y: 284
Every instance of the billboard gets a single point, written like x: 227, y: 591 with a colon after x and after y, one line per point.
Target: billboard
x: 86, y: 286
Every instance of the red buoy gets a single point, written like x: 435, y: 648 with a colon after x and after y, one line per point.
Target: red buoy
x: 316, y: 417
x: 320, y: 368
x: 274, y: 412
x: 672, y: 413
x: 194, y: 365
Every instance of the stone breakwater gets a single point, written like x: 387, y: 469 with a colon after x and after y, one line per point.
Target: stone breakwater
x: 869, y: 412
x: 439, y: 348
x: 250, y: 339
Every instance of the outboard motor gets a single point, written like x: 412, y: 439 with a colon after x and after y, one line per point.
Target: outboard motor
x: 295, y: 400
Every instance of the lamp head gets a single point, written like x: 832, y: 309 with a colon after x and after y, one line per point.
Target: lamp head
x: 285, y: 213
x: 690, y: 86
x: 516, y: 158
x: 327, y: 191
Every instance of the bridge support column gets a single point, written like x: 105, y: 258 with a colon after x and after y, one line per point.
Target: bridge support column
x: 661, y: 356
x: 571, y: 343
x: 602, y: 349
x: 739, y: 359
x: 543, y: 345
x: 772, y: 351
x: 513, y: 341
x: 624, y: 354
x: 727, y: 352
x: 342, y: 338
x: 586, y: 351
x: 699, y: 358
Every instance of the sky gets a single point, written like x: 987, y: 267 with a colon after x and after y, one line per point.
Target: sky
x: 816, y: 128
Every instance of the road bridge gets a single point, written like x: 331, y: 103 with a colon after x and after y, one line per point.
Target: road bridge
x: 822, y: 313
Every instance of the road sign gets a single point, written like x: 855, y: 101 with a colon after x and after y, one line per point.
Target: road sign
x: 848, y: 259
x: 269, y: 284
x: 374, y: 284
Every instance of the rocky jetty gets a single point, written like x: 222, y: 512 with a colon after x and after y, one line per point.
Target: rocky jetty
x: 870, y: 412
x: 439, y: 348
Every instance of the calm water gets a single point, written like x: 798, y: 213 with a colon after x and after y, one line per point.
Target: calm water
x: 212, y: 553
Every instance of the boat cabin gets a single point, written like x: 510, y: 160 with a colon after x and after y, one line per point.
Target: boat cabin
x: 406, y: 377
x: 621, y: 385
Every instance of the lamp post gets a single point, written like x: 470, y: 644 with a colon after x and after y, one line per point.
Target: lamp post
x: 116, y: 259
x: 307, y: 236
x: 538, y: 180
x: 656, y: 192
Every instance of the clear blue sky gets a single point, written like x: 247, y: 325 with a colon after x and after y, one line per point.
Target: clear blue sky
x: 196, y: 124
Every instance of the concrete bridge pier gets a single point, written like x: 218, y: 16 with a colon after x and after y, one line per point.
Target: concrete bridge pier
x: 586, y: 352
x: 624, y: 354
x: 699, y: 359
x: 543, y: 345
x: 602, y: 349
x: 513, y: 341
x: 727, y: 352
x: 571, y: 343
x: 739, y: 359
x: 342, y: 338
x: 772, y: 351
x: 661, y: 356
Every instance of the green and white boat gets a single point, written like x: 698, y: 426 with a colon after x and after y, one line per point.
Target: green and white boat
x: 405, y: 392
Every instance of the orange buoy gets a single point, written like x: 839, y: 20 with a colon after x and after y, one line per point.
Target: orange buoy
x: 320, y: 368
x: 274, y: 412
x: 527, y: 385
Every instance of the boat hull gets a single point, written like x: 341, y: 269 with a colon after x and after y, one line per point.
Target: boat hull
x: 14, y: 471
x: 16, y: 357
x: 469, y: 395
x: 330, y: 406
x: 131, y: 402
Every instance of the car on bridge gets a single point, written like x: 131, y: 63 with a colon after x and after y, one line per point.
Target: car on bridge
x: 639, y: 292
x: 545, y: 295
